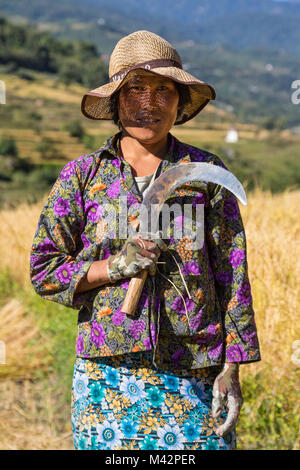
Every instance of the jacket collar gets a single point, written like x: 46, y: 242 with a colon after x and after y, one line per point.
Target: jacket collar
x: 177, y: 153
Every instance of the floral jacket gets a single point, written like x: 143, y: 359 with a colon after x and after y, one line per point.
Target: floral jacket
x: 77, y: 226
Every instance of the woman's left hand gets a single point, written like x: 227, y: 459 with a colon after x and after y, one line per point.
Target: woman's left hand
x: 227, y: 390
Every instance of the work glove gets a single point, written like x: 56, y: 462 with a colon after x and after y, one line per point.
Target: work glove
x: 139, y: 252
x: 227, y: 391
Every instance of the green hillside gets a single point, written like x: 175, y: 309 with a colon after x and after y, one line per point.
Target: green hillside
x: 239, y: 23
x: 254, y: 84
x: 42, y: 126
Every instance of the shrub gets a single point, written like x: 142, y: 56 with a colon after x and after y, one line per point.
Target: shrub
x: 8, y: 146
x: 48, y: 150
x: 75, y: 129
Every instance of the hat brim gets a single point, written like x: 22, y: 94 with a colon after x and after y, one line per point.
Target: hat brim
x: 96, y: 103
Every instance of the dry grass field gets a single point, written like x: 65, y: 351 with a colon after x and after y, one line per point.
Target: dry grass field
x: 28, y: 413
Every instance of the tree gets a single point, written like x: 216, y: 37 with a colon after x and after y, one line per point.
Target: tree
x: 8, y: 146
x: 69, y: 72
x: 75, y: 129
x: 95, y: 74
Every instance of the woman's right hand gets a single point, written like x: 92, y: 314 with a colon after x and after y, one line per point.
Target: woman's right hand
x: 137, y: 253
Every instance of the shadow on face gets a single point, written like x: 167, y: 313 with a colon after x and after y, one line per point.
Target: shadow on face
x: 148, y: 105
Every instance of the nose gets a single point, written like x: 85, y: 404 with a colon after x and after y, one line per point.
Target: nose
x: 148, y: 99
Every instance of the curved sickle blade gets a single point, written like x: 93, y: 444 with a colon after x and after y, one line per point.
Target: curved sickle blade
x: 178, y: 175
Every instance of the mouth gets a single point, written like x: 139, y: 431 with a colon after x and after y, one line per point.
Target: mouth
x: 148, y: 121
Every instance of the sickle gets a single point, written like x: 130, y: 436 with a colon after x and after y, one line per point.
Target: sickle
x: 154, y: 199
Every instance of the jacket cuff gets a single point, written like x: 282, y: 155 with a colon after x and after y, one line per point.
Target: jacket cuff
x: 242, y: 353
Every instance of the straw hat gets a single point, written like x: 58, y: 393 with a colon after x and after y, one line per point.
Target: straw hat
x: 148, y: 51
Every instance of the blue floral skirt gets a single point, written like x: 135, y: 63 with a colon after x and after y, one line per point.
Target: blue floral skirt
x: 126, y: 403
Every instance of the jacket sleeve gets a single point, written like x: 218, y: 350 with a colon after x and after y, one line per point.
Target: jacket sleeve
x: 228, y: 255
x: 56, y: 265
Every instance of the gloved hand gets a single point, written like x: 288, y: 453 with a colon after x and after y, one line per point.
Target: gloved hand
x: 227, y: 390
x: 137, y: 253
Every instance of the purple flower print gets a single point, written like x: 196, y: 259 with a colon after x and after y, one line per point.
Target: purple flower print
x: 191, y: 267
x: 125, y: 284
x: 68, y: 171
x: 196, y: 321
x: 216, y: 350
x: 78, y: 199
x: 236, y: 257
x: 34, y: 260
x: 78, y: 266
x: 64, y: 273
x: 147, y: 344
x: 212, y: 329
x: 244, y: 293
x: 97, y: 334
x: 85, y: 165
x: 199, y: 199
x: 93, y: 172
x: 79, y: 345
x: 131, y: 199
x: 114, y: 189
x: 85, y: 240
x: 61, y: 207
x: 136, y: 328
x: 106, y: 253
x: 231, y: 210
x: 250, y: 338
x: 116, y: 162
x: 210, y: 334
x: 94, y: 211
x: 47, y: 246
x: 40, y: 276
x: 236, y: 353
x: 177, y: 356
x: 153, y: 330
x: 118, y: 317
x: 178, y: 305
x: 224, y: 278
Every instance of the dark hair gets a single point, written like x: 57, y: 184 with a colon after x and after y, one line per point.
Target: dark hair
x: 184, y: 98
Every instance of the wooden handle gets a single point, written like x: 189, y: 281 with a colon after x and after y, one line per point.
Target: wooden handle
x: 134, y: 292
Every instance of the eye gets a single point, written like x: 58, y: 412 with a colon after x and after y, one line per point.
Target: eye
x: 163, y: 87
x: 135, y: 87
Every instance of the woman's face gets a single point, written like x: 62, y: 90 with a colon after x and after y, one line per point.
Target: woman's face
x: 148, y: 106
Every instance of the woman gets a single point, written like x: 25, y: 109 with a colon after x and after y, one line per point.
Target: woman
x: 160, y: 379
